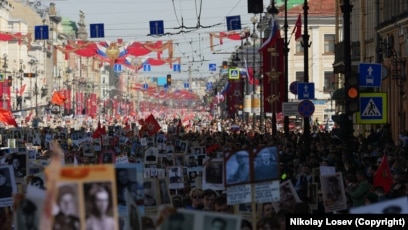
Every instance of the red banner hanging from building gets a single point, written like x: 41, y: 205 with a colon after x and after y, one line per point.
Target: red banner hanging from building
x: 234, y: 96
x: 5, y: 95
x: 68, y: 102
x: 93, y: 105
x: 80, y: 103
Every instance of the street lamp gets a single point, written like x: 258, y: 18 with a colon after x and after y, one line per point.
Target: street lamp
x: 19, y: 98
x: 254, y: 37
x: 33, y: 65
x: 4, y: 78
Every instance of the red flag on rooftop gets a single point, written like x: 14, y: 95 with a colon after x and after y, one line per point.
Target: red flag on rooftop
x: 383, y: 177
x: 7, y: 117
x: 58, y: 98
x: 298, y: 28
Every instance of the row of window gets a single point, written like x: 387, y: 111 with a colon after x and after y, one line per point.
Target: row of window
x: 329, y: 40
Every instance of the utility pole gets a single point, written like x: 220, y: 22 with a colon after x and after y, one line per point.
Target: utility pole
x: 306, y: 122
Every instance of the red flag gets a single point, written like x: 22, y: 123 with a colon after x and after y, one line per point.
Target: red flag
x: 383, y: 177
x: 100, y: 130
x: 7, y: 117
x: 58, y: 98
x: 150, y: 125
x: 298, y: 28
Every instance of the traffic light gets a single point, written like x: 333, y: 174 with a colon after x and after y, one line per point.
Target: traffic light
x: 168, y: 79
x: 352, y: 97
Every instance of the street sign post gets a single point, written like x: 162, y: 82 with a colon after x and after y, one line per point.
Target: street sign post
x: 290, y: 108
x: 233, y: 22
x: 156, y: 27
x: 306, y: 108
x: 97, y: 30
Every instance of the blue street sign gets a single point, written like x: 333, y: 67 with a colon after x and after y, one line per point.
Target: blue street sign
x: 97, y: 30
x: 146, y: 67
x: 293, y: 88
x: 186, y: 85
x: 176, y: 67
x: 209, y: 85
x: 373, y: 108
x: 306, y: 108
x: 212, y: 67
x: 233, y: 22
x: 166, y: 86
x: 117, y: 68
x: 305, y: 90
x: 156, y: 27
x: 41, y: 32
x: 370, y: 74
x: 145, y: 86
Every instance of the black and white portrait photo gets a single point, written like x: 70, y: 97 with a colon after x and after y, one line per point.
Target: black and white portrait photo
x: 179, y: 221
x: 214, y: 172
x: 266, y: 164
x: 98, y: 206
x: 66, y: 216
x: 27, y: 213
x: 151, y: 155
x: 175, y: 177
x: 221, y: 222
x: 150, y: 193
x: 164, y: 192
x: 18, y: 162
x: 334, y: 196
x: 237, y: 168
x: 7, y: 185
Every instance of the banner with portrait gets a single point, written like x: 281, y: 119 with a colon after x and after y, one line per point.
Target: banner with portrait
x: 334, y: 196
x: 86, y: 195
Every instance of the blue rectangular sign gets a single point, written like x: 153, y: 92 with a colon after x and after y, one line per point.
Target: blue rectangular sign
x: 370, y: 74
x: 146, y: 67
x: 156, y: 27
x: 97, y: 30
x: 233, y: 22
x: 212, y: 67
x: 161, y: 81
x: 176, y: 67
x: 306, y: 90
x: 41, y: 32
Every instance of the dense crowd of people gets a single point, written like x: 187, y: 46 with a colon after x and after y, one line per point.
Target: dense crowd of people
x: 224, y: 137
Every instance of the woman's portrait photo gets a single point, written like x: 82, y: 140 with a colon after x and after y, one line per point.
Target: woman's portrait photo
x: 66, y: 206
x: 99, y: 206
x: 18, y: 162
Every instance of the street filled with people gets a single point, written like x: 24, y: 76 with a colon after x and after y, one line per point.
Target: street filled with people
x: 168, y: 172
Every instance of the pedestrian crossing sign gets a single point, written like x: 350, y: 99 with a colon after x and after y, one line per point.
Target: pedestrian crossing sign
x: 233, y: 73
x: 373, y: 108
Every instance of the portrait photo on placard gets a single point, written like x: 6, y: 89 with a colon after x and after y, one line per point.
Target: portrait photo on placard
x: 66, y: 208
x: 129, y: 179
x: 183, y: 147
x: 178, y: 160
x: 288, y: 197
x: 191, y: 160
x: 36, y: 180
x: 213, y: 172
x: 221, y: 221
x: 394, y: 206
x: 334, y: 197
x: 164, y: 193
x: 7, y: 185
x: 237, y: 168
x: 19, y: 165
x: 107, y: 157
x: 150, y: 193
x: 266, y: 164
x: 98, y: 198
x: 175, y: 177
x: 181, y: 220
x: 151, y: 154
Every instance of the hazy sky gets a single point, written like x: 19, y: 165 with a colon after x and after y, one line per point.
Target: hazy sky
x: 129, y: 20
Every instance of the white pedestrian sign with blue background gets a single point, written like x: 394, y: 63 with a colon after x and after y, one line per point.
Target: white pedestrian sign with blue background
x: 373, y: 108
x: 306, y: 90
x: 176, y: 67
x: 370, y: 75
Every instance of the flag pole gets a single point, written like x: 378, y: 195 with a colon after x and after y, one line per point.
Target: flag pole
x: 286, y: 76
